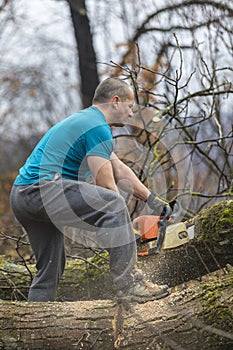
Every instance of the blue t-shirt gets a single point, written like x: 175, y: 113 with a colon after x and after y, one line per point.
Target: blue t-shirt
x: 65, y: 147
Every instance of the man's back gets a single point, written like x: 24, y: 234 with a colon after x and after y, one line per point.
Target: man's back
x: 63, y: 149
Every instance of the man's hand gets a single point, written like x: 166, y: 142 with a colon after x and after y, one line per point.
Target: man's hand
x: 160, y: 206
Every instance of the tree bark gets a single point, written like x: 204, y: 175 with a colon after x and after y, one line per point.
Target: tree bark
x: 197, y: 316
x: 86, y: 52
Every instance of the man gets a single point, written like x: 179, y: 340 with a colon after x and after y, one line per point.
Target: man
x: 50, y: 193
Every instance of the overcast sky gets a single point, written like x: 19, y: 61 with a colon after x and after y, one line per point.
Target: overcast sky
x: 41, y: 32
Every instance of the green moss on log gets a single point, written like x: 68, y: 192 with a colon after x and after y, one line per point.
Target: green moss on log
x: 81, y: 279
x: 216, y: 222
x: 217, y: 312
x: 84, y: 280
x: 217, y: 306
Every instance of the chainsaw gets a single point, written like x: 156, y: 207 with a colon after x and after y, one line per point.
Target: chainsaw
x: 154, y: 233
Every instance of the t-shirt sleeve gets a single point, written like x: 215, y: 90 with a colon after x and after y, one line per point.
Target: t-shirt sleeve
x: 99, y: 142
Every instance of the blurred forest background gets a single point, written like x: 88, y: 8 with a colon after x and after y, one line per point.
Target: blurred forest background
x: 176, y: 54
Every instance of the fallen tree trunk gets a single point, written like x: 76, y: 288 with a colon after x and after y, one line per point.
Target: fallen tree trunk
x: 211, y: 249
x: 196, y: 316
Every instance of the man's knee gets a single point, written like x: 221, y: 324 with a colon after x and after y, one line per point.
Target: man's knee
x: 115, y: 201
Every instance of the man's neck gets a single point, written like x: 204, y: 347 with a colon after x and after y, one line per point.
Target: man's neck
x: 103, y: 108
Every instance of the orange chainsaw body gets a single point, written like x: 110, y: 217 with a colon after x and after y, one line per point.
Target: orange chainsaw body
x: 147, y: 227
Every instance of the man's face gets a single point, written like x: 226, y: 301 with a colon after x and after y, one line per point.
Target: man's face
x: 122, y: 111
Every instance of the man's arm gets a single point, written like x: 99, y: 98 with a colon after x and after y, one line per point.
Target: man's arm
x: 124, y: 175
x: 102, y: 172
x: 109, y: 173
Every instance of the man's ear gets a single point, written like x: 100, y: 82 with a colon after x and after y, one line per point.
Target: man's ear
x: 115, y: 101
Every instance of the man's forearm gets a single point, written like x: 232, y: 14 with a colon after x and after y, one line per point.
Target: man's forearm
x: 128, y: 181
x: 102, y: 172
x: 124, y: 175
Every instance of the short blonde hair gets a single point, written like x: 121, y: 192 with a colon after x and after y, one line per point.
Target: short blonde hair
x: 111, y: 87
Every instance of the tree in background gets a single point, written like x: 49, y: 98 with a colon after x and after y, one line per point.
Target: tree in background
x: 86, y: 53
x: 176, y: 54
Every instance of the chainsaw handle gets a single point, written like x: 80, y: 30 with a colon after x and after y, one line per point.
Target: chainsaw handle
x: 162, y: 231
x: 163, y: 222
x: 167, y: 211
x: 179, y: 209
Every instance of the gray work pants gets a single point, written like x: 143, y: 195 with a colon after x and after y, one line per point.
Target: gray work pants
x: 45, y: 208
